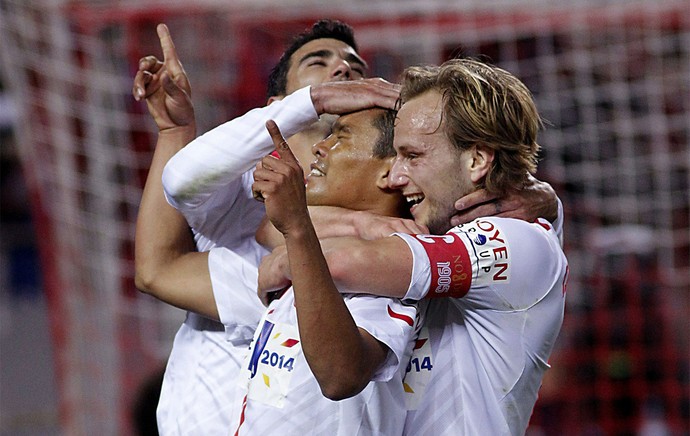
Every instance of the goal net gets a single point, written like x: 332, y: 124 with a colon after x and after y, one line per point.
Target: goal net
x: 611, y: 78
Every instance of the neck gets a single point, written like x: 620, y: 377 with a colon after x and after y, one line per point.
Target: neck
x: 386, y: 203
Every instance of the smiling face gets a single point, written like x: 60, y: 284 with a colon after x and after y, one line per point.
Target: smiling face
x: 345, y: 172
x: 429, y: 171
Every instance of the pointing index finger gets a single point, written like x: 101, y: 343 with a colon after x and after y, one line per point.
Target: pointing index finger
x: 280, y: 143
x: 169, y: 53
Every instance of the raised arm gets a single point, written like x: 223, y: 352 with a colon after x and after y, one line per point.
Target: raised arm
x: 342, y: 357
x: 221, y: 155
x: 166, y: 263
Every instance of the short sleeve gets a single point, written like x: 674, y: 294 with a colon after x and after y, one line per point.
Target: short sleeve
x: 392, y: 323
x: 234, y: 281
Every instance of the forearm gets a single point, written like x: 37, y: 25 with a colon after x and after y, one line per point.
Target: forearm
x: 223, y: 154
x: 342, y: 357
x: 380, y: 267
x: 328, y: 222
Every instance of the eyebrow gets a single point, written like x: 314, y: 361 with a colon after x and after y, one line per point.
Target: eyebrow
x: 350, y: 57
x: 340, y: 127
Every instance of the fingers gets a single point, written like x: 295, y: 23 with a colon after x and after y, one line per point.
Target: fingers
x: 491, y: 208
x: 172, y: 62
x: 268, y: 173
x: 141, y: 79
x: 348, y: 96
x: 473, y: 199
x: 148, y: 67
x: 271, y: 171
x: 280, y: 143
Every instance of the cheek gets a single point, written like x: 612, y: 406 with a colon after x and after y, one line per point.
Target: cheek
x: 309, y: 77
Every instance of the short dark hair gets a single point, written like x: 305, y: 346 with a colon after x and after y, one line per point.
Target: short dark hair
x: 384, y: 122
x: 334, y: 29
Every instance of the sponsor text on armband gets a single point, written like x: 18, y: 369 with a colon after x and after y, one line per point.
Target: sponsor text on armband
x: 451, y: 270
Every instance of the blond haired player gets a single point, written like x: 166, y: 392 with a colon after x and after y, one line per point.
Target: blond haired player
x: 463, y: 126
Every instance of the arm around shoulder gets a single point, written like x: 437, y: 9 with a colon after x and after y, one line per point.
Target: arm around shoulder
x: 379, y: 267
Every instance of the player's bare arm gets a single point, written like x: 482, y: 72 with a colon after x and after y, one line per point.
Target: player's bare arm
x: 331, y: 222
x: 382, y: 267
x: 341, y: 356
x: 536, y: 199
x: 167, y: 265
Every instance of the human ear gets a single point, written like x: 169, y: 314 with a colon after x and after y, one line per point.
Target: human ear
x: 274, y: 98
x: 382, y: 174
x: 481, y: 160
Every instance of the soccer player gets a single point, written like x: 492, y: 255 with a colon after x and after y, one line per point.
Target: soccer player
x: 196, y: 397
x: 216, y: 284
x: 462, y: 126
x: 283, y: 396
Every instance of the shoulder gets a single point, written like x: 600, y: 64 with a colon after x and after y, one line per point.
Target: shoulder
x: 506, y: 230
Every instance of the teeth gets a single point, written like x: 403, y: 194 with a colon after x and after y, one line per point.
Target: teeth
x: 316, y: 172
x: 414, y: 199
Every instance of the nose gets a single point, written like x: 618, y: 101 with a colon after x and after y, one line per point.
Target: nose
x: 342, y: 70
x: 320, y: 149
x: 397, y: 177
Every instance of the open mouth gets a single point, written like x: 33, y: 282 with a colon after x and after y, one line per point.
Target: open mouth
x: 413, y: 200
x: 316, y: 172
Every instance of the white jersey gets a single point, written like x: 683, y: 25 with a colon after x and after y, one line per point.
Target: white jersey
x: 491, y: 343
x: 283, y: 396
x: 209, y: 181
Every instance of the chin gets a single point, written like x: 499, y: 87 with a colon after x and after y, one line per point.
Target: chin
x: 437, y: 225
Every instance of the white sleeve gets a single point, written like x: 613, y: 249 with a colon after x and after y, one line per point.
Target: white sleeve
x: 420, y: 279
x: 392, y: 323
x: 480, y: 260
x: 234, y: 282
x: 558, y: 223
x: 223, y: 154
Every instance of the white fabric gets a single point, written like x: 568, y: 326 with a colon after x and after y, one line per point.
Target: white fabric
x: 209, y: 181
x: 209, y: 163
x: 284, y: 396
x: 490, y: 348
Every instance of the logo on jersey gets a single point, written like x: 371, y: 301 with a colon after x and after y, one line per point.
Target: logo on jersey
x: 418, y: 372
x: 451, y: 270
x: 401, y: 316
x: 492, y: 251
x: 480, y: 240
x: 261, y: 342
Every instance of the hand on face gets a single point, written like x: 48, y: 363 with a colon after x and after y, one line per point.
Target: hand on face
x: 279, y: 183
x: 164, y: 86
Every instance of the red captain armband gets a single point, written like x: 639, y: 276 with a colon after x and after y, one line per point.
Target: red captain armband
x: 451, y: 270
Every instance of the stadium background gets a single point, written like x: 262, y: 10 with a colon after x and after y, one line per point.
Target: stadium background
x: 79, y: 344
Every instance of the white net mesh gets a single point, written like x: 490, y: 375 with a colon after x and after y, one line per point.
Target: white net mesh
x: 611, y: 78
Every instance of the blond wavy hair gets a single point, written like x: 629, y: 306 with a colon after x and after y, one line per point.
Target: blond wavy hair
x: 484, y: 104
